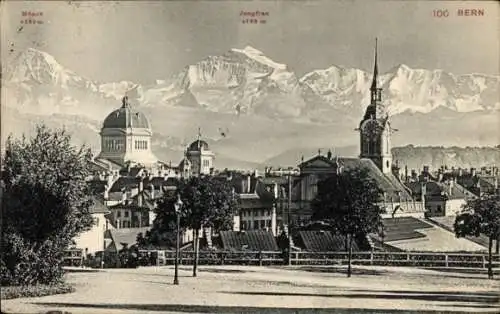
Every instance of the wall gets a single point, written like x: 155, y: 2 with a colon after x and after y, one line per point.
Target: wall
x: 93, y: 239
x: 454, y: 207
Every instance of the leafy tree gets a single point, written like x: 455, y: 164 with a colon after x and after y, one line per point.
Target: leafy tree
x: 208, y: 203
x: 46, y: 203
x: 348, y: 202
x: 481, y: 216
x: 164, y: 226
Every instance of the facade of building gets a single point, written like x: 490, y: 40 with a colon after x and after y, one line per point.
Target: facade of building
x: 126, y: 137
x: 92, y: 241
x: 198, y: 159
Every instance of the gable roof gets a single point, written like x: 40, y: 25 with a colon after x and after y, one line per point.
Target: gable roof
x: 98, y: 206
x: 124, y: 235
x: 123, y: 183
x: 252, y: 240
x: 439, y: 189
x: 324, y: 241
x: 388, y: 183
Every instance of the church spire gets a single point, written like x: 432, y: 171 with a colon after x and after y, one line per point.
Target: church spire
x: 199, y: 138
x: 374, y: 89
x: 375, y: 71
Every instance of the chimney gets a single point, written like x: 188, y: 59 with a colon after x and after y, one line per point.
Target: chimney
x: 106, y: 192
x: 275, y: 190
x: 473, y: 172
x: 249, y: 183
x: 141, y: 186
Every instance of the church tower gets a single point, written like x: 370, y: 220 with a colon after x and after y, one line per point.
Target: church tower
x: 198, y: 160
x: 375, y: 130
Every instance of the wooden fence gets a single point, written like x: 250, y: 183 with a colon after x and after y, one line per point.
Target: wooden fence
x: 266, y: 258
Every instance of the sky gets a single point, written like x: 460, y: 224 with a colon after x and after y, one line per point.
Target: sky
x: 142, y: 42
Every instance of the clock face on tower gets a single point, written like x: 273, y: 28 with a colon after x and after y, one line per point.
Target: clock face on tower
x: 371, y: 128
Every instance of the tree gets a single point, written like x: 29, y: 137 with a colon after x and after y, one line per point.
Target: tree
x: 45, y: 204
x: 348, y: 202
x: 207, y: 203
x: 481, y: 216
x: 162, y: 232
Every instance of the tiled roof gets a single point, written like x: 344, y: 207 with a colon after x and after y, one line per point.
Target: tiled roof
x: 403, y: 228
x: 98, y: 205
x: 124, y: 182
x: 387, y: 182
x: 438, y: 189
x: 253, y: 240
x: 115, y: 196
x: 125, y: 235
x: 97, y: 186
x: 323, y: 241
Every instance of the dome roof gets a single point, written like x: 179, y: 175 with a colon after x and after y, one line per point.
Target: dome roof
x: 198, y: 145
x: 126, y: 117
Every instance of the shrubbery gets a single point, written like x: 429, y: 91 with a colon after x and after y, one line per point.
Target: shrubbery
x: 45, y: 204
x: 14, y: 292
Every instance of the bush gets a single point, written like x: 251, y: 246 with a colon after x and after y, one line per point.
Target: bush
x: 26, y: 263
x: 14, y: 292
x: 46, y: 202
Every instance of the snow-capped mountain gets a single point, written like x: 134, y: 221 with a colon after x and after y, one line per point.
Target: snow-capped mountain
x: 404, y: 89
x: 247, y: 81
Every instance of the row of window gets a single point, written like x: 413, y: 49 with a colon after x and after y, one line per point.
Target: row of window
x: 117, y: 145
x: 114, y: 145
x: 256, y: 224
x: 125, y: 214
x: 206, y: 163
x: 141, y: 144
x: 261, y: 213
x: 372, y: 146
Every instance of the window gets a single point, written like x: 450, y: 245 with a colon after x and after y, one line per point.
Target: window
x: 126, y: 213
x: 439, y: 209
x: 118, y: 214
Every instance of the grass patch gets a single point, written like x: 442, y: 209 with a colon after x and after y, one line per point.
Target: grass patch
x: 14, y: 292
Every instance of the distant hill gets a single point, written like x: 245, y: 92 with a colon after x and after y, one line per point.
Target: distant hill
x: 435, y: 156
x: 415, y: 157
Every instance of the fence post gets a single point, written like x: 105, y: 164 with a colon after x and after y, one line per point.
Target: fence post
x: 260, y: 258
x: 296, y: 258
x: 371, y: 258
x: 446, y: 260
x: 222, y: 258
x: 484, y: 261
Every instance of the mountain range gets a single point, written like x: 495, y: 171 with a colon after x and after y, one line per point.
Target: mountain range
x: 260, y: 105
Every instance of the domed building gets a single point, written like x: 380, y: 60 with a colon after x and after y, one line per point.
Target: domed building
x: 126, y: 137
x: 198, y: 159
